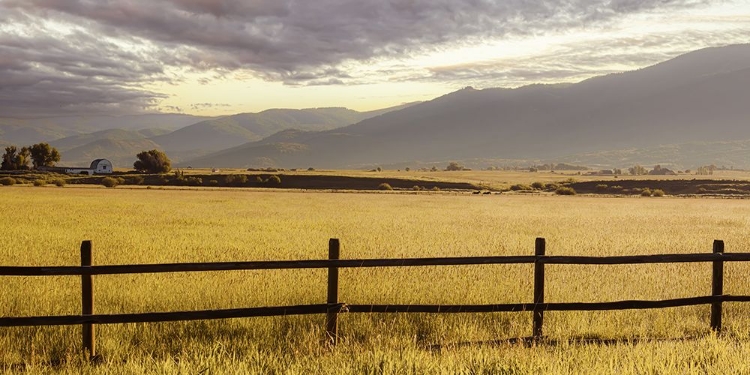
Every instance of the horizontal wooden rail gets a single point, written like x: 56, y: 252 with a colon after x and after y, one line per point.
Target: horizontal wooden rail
x: 562, y: 306
x: 164, y: 316
x: 365, y: 263
x: 359, y: 308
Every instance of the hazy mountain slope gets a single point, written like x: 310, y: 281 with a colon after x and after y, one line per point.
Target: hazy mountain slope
x: 24, y: 135
x: 226, y: 132
x: 71, y: 142
x: 30, y: 131
x: 700, y: 96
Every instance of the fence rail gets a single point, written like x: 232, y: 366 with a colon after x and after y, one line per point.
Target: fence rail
x: 333, y: 307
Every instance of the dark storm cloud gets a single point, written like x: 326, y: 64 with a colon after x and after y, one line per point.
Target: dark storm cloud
x: 298, y: 42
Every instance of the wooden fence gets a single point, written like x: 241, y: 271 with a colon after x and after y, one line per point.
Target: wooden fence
x: 333, y: 307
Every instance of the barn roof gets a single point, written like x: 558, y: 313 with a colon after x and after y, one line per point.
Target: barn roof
x: 95, y: 163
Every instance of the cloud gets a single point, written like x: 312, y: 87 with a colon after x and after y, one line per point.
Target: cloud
x: 202, y: 106
x: 91, y: 53
x: 573, y: 62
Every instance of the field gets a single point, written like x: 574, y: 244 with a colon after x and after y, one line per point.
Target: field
x: 45, y: 225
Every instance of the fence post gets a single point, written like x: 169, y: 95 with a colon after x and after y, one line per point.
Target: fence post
x: 539, y: 250
x: 332, y: 322
x: 87, y: 300
x: 717, y: 287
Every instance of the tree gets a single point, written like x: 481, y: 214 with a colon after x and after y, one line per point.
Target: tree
x: 153, y: 161
x: 637, y: 170
x: 15, y: 159
x: 44, y: 155
x: 453, y: 166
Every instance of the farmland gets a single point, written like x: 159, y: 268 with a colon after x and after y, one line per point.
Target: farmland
x: 45, y: 225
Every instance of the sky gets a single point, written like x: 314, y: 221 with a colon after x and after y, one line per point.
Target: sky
x: 213, y: 57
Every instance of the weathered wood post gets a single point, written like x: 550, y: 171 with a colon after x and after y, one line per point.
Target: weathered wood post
x: 87, y: 300
x: 717, y: 287
x: 539, y: 250
x: 332, y: 322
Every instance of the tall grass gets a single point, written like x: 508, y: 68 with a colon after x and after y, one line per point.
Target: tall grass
x: 45, y: 227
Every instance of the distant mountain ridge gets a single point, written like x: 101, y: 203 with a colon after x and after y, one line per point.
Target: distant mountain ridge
x: 702, y: 96
x: 177, y: 139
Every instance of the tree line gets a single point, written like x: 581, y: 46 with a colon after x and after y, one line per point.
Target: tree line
x: 44, y: 155
x: 39, y: 155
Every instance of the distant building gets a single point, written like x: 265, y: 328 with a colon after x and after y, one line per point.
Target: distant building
x: 98, y: 166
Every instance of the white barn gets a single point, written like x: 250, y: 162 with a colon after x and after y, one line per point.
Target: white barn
x: 98, y: 166
x: 101, y: 166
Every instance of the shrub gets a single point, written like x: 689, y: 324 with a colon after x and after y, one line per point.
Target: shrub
x: 601, y: 187
x: 110, y: 182
x: 551, y: 186
x: 194, y: 181
x: 213, y: 182
x: 518, y: 187
x: 274, y: 180
x: 40, y: 182
x: 235, y: 180
x: 636, y: 190
x: 658, y: 193
x: 646, y: 192
x: 135, y: 180
x: 565, y: 190
x: 537, y: 185
x: 59, y: 182
x: 416, y: 188
x: 385, y: 186
x: 7, y: 181
x: 435, y: 188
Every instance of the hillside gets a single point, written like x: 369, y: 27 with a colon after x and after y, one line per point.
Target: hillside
x: 120, y: 152
x: 226, y: 132
x: 698, y: 97
x: 30, y: 131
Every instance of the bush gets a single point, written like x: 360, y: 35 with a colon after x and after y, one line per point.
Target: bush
x: 40, y: 182
x: 565, y: 190
x: 416, y: 188
x: 435, y: 188
x: 537, y: 185
x: 274, y: 180
x: 213, y: 182
x: 518, y: 187
x: 135, y: 180
x: 658, y: 193
x: 385, y: 186
x: 193, y: 181
x: 551, y: 186
x: 59, y: 182
x: 235, y: 180
x: 110, y: 182
x: 646, y: 192
x: 7, y: 181
x: 601, y: 187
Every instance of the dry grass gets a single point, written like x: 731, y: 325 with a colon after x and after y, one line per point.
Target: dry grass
x: 46, y: 226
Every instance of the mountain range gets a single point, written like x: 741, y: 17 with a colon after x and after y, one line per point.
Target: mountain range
x: 699, y: 97
x: 688, y: 111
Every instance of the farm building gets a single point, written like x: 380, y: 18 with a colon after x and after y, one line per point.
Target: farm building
x: 98, y: 166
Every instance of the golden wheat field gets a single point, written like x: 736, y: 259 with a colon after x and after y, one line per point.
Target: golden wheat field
x: 45, y: 226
